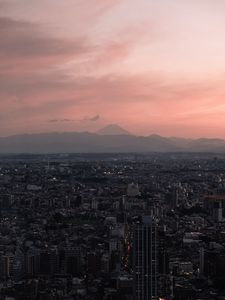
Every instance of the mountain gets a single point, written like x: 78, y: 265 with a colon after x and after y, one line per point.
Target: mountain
x: 113, y: 129
x: 85, y: 142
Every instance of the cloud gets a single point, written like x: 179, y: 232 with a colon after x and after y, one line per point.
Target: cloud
x: 139, y: 103
x: 92, y: 119
x: 53, y: 121
x: 65, y: 120
x: 56, y: 94
x: 62, y: 17
x: 109, y: 54
x: 60, y: 120
x: 25, y: 44
x: 32, y: 58
x: 31, y: 82
x: 95, y: 118
x: 57, y: 10
x: 51, y: 74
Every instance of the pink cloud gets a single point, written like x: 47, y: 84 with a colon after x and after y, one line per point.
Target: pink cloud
x: 25, y: 45
x: 74, y: 70
x: 138, y: 102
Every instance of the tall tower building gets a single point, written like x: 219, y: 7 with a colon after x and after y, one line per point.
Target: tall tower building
x: 145, y: 260
x: 202, y: 260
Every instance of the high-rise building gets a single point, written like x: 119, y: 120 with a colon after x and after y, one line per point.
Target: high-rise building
x: 174, y: 198
x: 145, y: 260
x: 201, y: 260
x: 32, y: 262
x: 133, y: 190
x: 7, y: 265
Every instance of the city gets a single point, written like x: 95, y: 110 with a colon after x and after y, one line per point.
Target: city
x: 113, y: 226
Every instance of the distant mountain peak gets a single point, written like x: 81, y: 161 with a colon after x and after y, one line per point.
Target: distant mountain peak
x: 111, y: 138
x: 113, y: 129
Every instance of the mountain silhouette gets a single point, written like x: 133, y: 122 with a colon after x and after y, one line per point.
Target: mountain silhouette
x: 85, y: 142
x: 113, y: 129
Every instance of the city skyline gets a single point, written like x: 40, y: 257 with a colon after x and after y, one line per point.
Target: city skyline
x: 149, y: 66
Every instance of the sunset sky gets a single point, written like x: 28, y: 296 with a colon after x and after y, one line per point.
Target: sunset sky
x: 151, y: 66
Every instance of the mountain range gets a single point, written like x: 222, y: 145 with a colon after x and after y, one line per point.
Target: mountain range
x: 112, y: 138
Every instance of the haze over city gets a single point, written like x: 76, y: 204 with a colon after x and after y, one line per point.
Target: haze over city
x: 150, y: 66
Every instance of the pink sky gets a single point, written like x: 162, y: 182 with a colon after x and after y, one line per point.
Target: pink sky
x: 77, y: 65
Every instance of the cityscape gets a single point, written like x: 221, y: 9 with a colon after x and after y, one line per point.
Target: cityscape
x: 112, y: 150
x: 113, y: 226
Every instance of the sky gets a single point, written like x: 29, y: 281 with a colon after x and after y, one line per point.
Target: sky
x: 78, y: 65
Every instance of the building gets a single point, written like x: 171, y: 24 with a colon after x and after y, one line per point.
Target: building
x: 201, y: 260
x: 133, y: 190
x: 32, y: 263
x: 215, y: 206
x: 7, y: 265
x: 145, y: 260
